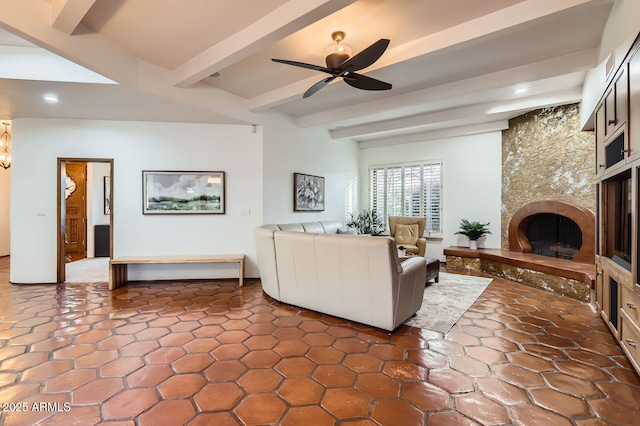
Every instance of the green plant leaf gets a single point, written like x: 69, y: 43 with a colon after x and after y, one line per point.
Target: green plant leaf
x: 473, y: 230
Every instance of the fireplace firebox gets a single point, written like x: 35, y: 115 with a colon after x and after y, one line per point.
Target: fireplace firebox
x: 554, y: 235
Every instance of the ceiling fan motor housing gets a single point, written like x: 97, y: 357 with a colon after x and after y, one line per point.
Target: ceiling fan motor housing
x: 334, y: 60
x: 337, y: 53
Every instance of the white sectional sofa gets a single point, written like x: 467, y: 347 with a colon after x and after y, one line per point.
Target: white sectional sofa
x: 355, y: 277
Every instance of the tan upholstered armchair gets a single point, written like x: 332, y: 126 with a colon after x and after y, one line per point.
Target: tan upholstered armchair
x: 408, y: 232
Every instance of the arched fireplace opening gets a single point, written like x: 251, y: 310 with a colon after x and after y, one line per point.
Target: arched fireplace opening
x: 554, y: 230
x: 554, y: 235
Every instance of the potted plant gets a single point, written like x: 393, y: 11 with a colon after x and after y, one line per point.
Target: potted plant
x: 474, y: 231
x: 367, y: 222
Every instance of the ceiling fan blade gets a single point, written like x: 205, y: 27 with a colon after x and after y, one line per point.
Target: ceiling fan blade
x: 365, y: 58
x: 319, y: 85
x: 303, y: 65
x: 363, y: 82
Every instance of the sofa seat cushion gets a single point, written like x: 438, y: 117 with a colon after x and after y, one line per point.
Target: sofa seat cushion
x: 406, y: 234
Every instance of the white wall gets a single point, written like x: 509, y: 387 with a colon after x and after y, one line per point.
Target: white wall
x: 96, y: 173
x: 471, y: 181
x: 620, y: 31
x: 99, y: 172
x: 5, y: 191
x: 135, y: 146
x: 287, y: 150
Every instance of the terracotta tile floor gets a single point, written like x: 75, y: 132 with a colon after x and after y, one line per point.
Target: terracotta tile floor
x: 208, y: 353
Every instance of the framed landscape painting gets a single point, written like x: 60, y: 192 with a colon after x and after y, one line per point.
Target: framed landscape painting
x: 308, y: 193
x: 165, y: 192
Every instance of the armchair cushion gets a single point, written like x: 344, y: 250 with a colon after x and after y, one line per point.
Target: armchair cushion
x: 406, y: 234
x: 410, y: 248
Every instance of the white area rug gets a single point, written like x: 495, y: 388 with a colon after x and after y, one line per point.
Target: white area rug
x: 95, y: 270
x: 445, y: 302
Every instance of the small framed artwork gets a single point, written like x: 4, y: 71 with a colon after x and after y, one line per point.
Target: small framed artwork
x: 107, y: 195
x: 168, y: 192
x: 308, y: 193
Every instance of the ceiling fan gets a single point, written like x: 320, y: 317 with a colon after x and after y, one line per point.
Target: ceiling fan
x: 340, y: 63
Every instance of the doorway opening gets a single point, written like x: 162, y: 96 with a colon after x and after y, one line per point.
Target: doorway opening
x: 85, y: 219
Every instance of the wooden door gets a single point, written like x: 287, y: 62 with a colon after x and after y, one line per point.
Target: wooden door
x: 76, y: 210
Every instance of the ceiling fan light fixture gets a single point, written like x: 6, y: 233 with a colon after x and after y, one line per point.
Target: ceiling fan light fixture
x: 337, y: 53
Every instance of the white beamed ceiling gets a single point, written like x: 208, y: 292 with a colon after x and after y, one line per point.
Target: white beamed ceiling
x: 454, y: 64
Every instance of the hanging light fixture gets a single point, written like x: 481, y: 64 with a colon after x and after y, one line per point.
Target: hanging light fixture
x: 337, y: 53
x: 5, y: 148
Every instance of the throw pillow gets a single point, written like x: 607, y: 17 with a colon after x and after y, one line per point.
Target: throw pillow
x: 406, y: 234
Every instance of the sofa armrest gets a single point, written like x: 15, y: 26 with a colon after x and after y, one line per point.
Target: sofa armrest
x: 413, y: 265
x: 410, y: 289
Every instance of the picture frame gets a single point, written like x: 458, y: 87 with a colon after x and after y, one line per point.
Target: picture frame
x: 107, y: 195
x: 308, y: 193
x: 183, y: 192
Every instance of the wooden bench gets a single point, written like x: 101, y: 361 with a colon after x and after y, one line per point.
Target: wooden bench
x: 118, y: 275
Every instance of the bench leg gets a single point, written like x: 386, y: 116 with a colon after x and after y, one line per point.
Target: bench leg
x: 118, y: 276
x: 241, y: 273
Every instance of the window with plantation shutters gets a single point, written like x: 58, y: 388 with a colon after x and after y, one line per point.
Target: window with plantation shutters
x: 411, y: 189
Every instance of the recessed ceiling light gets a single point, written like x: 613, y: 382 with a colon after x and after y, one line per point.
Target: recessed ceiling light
x: 50, y: 98
x: 520, y: 90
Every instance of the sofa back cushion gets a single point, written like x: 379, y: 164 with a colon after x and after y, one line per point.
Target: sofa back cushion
x: 294, y: 227
x: 331, y: 227
x: 347, y: 231
x: 313, y: 227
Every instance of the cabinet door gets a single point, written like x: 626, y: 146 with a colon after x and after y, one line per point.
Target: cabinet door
x: 599, y: 288
x: 601, y: 128
x: 606, y: 297
x: 616, y: 103
x: 633, y: 137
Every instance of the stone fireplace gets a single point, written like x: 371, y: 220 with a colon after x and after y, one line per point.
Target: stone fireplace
x: 548, y: 200
x: 554, y: 228
x: 548, y: 170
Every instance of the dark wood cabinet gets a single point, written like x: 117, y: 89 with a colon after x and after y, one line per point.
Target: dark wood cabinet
x: 617, y: 292
x: 101, y: 240
x: 633, y: 133
x: 616, y: 103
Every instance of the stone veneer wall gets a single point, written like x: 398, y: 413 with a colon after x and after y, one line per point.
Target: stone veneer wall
x: 545, y: 156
